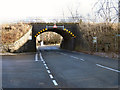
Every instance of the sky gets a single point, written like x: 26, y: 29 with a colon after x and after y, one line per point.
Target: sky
x: 11, y: 10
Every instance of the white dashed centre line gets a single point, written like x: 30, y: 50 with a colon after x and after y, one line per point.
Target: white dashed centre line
x: 55, y: 83
x: 107, y: 68
x: 48, y: 71
x: 41, y: 57
x: 43, y: 61
x: 36, y: 57
x: 82, y: 59
x: 46, y: 67
x: 51, y: 76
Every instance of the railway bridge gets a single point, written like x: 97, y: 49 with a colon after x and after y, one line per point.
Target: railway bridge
x: 72, y: 37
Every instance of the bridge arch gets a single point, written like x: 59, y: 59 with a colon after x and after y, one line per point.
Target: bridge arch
x: 72, y: 37
x: 67, y: 35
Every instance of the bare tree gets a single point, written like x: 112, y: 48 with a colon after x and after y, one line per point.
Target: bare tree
x: 75, y: 15
x: 119, y: 10
x: 107, y: 10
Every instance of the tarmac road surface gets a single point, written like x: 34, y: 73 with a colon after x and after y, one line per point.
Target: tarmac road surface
x: 52, y: 67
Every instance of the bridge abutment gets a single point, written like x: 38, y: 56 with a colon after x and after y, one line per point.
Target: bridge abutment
x: 67, y: 44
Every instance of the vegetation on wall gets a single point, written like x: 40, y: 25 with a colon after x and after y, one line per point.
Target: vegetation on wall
x: 106, y: 34
x: 12, y: 32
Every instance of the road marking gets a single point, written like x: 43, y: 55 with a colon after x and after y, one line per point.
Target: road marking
x: 44, y: 62
x: 36, y: 57
x: 48, y: 71
x: 74, y: 57
x: 51, y: 76
x: 82, y: 59
x: 63, y: 54
x: 55, y: 83
x: 77, y: 58
x: 46, y: 67
x: 41, y: 57
x: 108, y: 68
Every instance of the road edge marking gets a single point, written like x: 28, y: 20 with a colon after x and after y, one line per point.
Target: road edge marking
x: 108, y: 68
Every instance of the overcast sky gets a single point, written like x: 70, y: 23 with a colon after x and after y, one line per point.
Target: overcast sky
x: 18, y: 9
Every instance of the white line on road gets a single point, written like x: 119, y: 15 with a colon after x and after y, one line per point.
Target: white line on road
x: 48, y: 71
x: 74, y: 57
x: 63, y: 54
x: 108, y: 68
x: 36, y: 57
x: 51, y: 76
x: 82, y: 59
x: 77, y: 58
x: 44, y: 62
x: 55, y: 83
x: 46, y: 67
x: 41, y: 57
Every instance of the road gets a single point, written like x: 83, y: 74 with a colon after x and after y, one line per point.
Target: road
x: 52, y: 67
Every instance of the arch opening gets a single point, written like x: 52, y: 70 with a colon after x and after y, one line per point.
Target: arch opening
x: 49, y: 39
x: 66, y: 40
x: 64, y: 33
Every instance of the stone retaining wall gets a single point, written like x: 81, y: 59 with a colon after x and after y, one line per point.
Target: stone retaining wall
x: 17, y: 44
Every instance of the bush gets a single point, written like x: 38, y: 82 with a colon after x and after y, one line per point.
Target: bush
x: 12, y: 32
x: 106, y: 35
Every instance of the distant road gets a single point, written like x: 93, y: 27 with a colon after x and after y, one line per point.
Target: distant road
x: 52, y: 67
